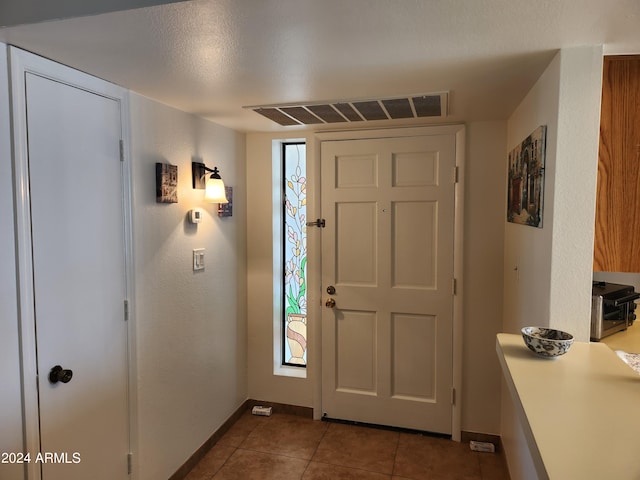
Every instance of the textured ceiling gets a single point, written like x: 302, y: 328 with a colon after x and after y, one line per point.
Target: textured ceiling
x: 212, y: 57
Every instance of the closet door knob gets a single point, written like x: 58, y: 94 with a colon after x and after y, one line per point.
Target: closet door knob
x: 59, y: 374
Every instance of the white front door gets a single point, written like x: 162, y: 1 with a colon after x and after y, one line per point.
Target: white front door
x: 387, y: 250
x: 77, y: 241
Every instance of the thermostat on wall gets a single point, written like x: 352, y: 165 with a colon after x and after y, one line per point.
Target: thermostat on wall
x: 195, y: 215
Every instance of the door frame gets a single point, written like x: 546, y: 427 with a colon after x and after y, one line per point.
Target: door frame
x: 458, y: 131
x: 20, y: 63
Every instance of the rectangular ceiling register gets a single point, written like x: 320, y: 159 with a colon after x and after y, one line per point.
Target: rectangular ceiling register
x: 431, y: 105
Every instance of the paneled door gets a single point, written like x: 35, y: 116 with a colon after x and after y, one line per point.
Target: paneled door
x: 387, y: 279
x: 76, y: 241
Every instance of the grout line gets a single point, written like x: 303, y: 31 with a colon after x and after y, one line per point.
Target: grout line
x: 235, y: 449
x: 324, y: 434
x: 273, y: 453
x: 306, y: 468
x: 360, y: 469
x: 395, y: 456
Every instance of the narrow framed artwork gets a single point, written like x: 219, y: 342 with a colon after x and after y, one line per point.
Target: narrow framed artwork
x: 166, y: 183
x: 525, y: 187
x: 226, y: 209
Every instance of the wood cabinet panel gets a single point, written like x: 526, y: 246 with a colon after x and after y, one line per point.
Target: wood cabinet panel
x: 617, y: 229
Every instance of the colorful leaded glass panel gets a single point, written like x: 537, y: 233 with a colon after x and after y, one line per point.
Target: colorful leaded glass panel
x: 295, y: 254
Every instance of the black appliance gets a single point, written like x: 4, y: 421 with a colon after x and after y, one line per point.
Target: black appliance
x: 612, y: 308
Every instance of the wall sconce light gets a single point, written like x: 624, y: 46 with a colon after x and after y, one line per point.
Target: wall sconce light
x: 213, y: 185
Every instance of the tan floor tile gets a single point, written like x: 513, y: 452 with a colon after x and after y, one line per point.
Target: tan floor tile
x: 286, y: 435
x: 210, y: 463
x: 250, y: 465
x: 240, y: 430
x: 428, y: 458
x: 324, y: 471
x: 278, y: 448
x: 358, y: 447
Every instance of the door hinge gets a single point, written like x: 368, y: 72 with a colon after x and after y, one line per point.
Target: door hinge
x: 129, y: 463
x: 121, y: 151
x: 454, y: 286
x: 453, y: 396
x: 456, y: 174
x: 319, y: 222
x: 126, y: 310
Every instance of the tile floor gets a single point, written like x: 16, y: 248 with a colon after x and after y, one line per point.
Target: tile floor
x: 288, y: 447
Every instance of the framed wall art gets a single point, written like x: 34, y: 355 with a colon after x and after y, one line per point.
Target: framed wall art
x: 166, y: 183
x: 525, y: 187
x: 226, y: 209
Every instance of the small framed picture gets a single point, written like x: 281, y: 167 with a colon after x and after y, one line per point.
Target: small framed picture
x: 525, y: 187
x: 166, y: 183
x: 226, y: 209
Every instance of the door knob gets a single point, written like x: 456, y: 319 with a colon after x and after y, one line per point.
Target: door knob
x: 59, y: 374
x: 330, y: 303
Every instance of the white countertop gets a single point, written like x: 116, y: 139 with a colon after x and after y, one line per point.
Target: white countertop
x: 628, y: 340
x: 580, y: 412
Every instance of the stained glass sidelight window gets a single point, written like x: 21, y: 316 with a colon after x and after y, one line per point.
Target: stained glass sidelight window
x: 295, y: 254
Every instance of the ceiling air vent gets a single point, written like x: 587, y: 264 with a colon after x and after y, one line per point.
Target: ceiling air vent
x: 431, y: 105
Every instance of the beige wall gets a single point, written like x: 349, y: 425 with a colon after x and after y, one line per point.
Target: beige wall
x: 190, y: 326
x: 483, y: 236
x: 552, y: 284
x: 483, y: 256
x: 263, y: 383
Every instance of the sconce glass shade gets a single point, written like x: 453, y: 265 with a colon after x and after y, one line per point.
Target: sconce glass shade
x: 214, y: 190
x: 212, y: 184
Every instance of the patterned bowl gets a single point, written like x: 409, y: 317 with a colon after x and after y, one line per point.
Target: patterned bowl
x: 547, y: 342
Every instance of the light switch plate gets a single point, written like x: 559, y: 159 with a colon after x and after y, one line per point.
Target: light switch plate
x: 198, y: 259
